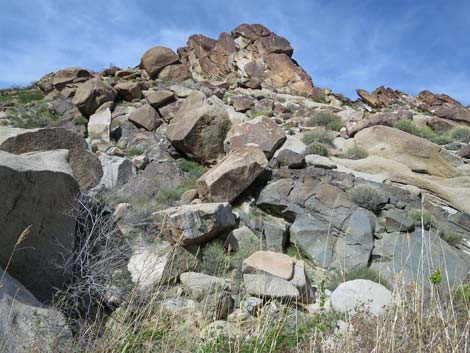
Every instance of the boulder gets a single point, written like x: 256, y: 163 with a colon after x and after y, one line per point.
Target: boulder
x: 90, y: 95
x: 128, y: 90
x: 294, y: 144
x: 266, y: 286
x: 175, y: 72
x: 146, y: 117
x: 155, y: 59
x: 158, y: 98
x: 275, y: 231
x: 61, y: 78
x: 232, y: 175
x: 360, y: 294
x: 160, y: 263
x: 117, y: 171
x: 199, y: 285
x: 25, y: 324
x: 99, y: 126
x: 85, y: 165
x: 320, y: 161
x: 263, y: 132
x: 242, y: 103
x: 199, y: 127
x: 241, y: 238
x: 194, y: 224
x: 38, y: 190
x: 290, y: 159
x: 399, y: 258
x: 398, y: 221
x: 273, y: 263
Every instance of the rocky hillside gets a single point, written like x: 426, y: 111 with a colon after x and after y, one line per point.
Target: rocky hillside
x: 216, y: 200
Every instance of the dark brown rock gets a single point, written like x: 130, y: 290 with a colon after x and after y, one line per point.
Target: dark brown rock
x: 155, y: 59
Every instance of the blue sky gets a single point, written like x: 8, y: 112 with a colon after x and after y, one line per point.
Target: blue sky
x: 408, y: 45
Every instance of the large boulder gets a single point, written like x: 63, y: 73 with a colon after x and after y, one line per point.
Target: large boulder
x: 71, y: 75
x: 25, y: 324
x: 400, y: 259
x: 128, y: 90
x: 146, y: 117
x: 38, y: 191
x: 199, y: 127
x: 268, y: 274
x: 263, y: 132
x: 155, y: 59
x: 360, y: 294
x: 232, y: 175
x: 90, y: 95
x: 85, y: 165
x: 194, y: 224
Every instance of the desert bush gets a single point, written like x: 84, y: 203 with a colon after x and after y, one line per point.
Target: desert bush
x: 425, y: 132
x: 355, y: 152
x: 366, y: 196
x: 134, y: 151
x: 452, y: 238
x: 214, y: 261
x: 99, y: 256
x: 317, y: 148
x: 35, y: 117
x: 460, y: 133
x: 317, y: 136
x: 417, y: 214
x: 325, y: 118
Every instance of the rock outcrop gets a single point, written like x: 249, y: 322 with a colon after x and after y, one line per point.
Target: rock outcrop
x: 38, y: 191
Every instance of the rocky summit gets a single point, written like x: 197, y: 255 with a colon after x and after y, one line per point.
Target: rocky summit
x: 203, y: 191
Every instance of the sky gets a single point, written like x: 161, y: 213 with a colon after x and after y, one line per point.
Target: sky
x: 410, y: 45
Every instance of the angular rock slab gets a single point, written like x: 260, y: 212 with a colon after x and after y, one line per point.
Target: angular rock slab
x: 360, y: 294
x: 198, y: 223
x: 199, y: 127
x: 232, y: 175
x: 37, y: 189
x: 117, y: 171
x: 146, y: 117
x: 90, y: 95
x: 273, y: 263
x: 263, y: 132
x: 398, y: 257
x: 266, y: 286
x: 85, y: 165
x: 158, y: 264
x: 25, y: 324
x: 99, y: 126
x: 200, y: 285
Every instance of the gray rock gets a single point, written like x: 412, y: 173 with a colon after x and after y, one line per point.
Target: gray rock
x: 360, y: 294
x: 320, y: 161
x: 242, y: 237
x: 38, y: 189
x: 25, y: 324
x: 85, y: 165
x: 403, y: 258
x: 266, y: 286
x: 194, y: 224
x: 275, y: 232
x: 117, y: 171
x: 294, y: 144
x: 398, y: 221
x: 200, y: 285
x: 290, y: 159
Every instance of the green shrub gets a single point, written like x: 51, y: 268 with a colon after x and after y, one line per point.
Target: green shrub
x: 317, y: 136
x: 214, y: 259
x: 40, y: 116
x: 425, y: 132
x: 461, y: 295
x: 452, y: 238
x: 365, y: 273
x: 366, y: 196
x: 416, y: 214
x: 325, y: 118
x: 317, y: 148
x: 80, y: 121
x: 134, y: 151
x: 460, y: 133
x: 355, y: 152
x: 194, y: 169
x: 30, y: 95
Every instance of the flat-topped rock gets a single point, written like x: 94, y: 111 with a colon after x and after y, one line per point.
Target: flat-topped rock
x: 274, y: 263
